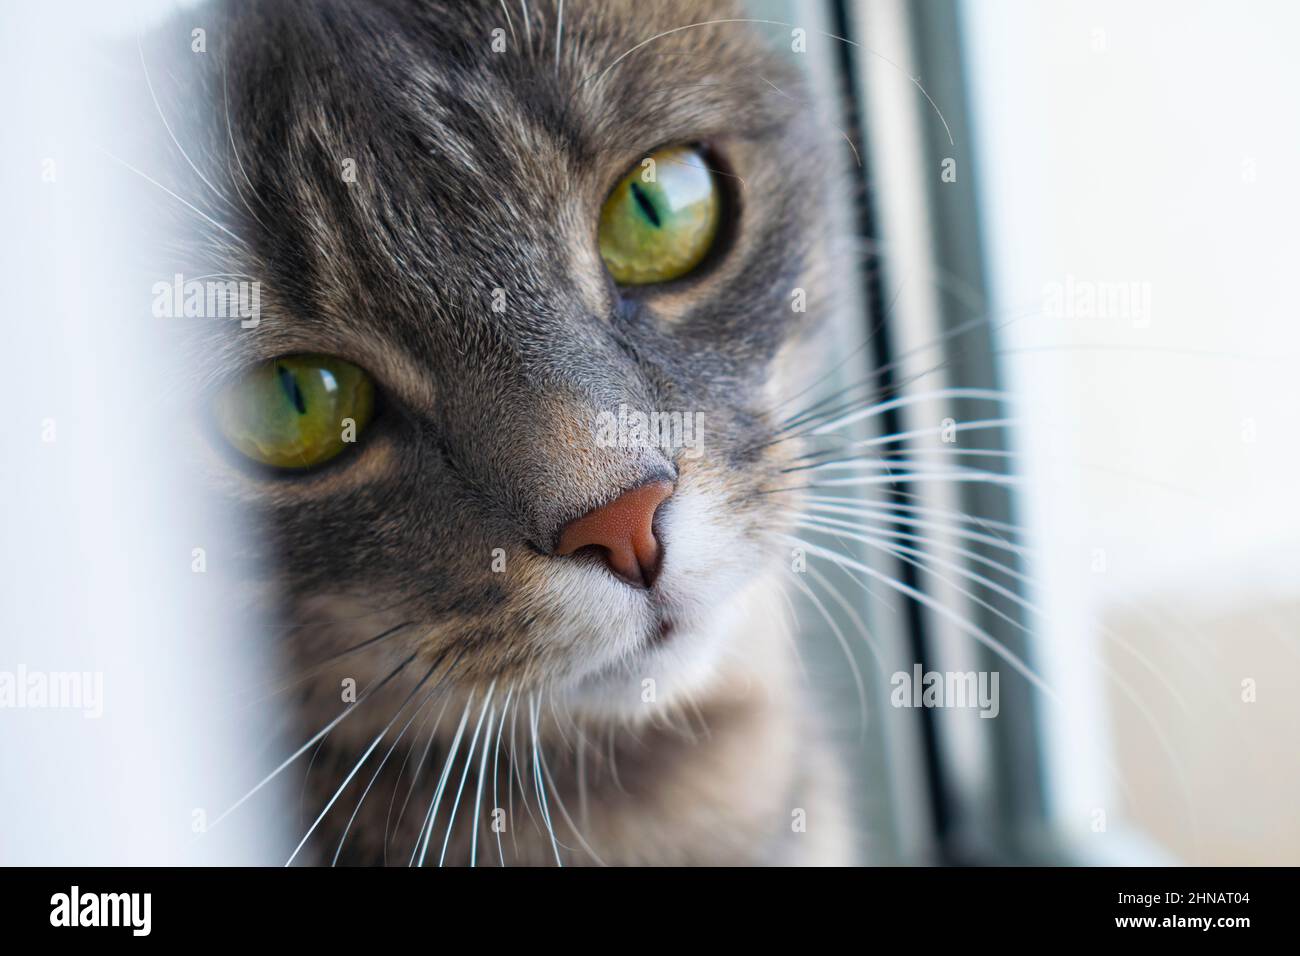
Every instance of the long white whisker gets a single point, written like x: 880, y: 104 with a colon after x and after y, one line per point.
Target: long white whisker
x: 832, y: 523
x: 914, y: 557
x: 559, y: 35
x: 154, y: 96
x: 891, y: 465
x: 780, y: 23
x: 469, y: 758
x: 916, y: 477
x: 496, y: 764
x: 559, y: 802
x: 534, y: 708
x: 886, y: 515
x: 902, y: 552
x: 360, y: 763
x: 844, y: 646
x: 478, y: 790
x: 375, y: 776
x: 509, y: 22
x: 189, y: 205
x: 427, y: 827
x: 320, y: 735
x: 519, y: 776
x: 1108, y: 671
x: 974, y: 631
x: 528, y: 30
x: 230, y: 133
x: 415, y: 778
x: 894, y: 438
x: 880, y: 408
x: 894, y: 506
x: 825, y: 407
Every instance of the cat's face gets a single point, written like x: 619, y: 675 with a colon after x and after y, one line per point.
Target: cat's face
x: 426, y: 207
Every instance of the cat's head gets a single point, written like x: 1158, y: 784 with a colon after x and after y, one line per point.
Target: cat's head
x: 442, y: 195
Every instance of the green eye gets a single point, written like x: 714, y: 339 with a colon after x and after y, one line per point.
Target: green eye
x: 296, y: 411
x: 661, y: 219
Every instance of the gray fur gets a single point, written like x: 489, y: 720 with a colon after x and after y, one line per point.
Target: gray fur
x: 477, y: 171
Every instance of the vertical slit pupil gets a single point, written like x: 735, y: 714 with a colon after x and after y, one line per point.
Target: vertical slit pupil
x: 647, y: 207
x: 289, y: 382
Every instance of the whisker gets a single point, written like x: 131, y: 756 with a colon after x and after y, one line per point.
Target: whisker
x: 912, y: 556
x: 893, y: 459
x: 324, y: 663
x: 985, y: 477
x: 427, y: 827
x: 375, y: 776
x: 914, y: 477
x: 912, y: 536
x: 528, y: 30
x: 892, y: 506
x: 230, y: 134
x: 848, y: 653
x: 154, y: 96
x: 878, y: 408
x: 780, y: 23
x: 415, y: 776
x: 522, y: 753
x: 534, y: 707
x: 877, y: 378
x: 496, y: 764
x: 320, y: 735
x: 193, y: 208
x: 559, y: 36
x: 478, y: 790
x: 509, y: 22
x: 513, y: 767
x: 848, y: 608
x: 360, y: 763
x: 896, y: 437
x: 469, y: 757
x: 559, y: 802
x: 974, y: 631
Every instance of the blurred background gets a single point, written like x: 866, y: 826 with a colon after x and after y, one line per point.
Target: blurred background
x: 1151, y: 145
x: 1089, y: 206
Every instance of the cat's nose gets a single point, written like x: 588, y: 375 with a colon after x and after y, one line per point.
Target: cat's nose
x: 623, y: 532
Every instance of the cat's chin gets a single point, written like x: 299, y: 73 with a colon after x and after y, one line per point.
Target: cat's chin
x: 663, y: 670
x: 687, y: 661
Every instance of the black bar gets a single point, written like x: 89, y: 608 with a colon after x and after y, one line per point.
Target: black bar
x: 636, y: 908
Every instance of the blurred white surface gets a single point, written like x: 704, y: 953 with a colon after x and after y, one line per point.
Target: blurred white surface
x: 98, y: 525
x: 1155, y: 144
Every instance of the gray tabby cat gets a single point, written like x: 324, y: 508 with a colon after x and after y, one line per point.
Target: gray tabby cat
x: 490, y: 244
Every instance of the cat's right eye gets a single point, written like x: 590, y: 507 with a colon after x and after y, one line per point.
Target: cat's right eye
x: 662, y: 218
x: 297, y: 411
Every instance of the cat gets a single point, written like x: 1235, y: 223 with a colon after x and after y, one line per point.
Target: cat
x: 548, y: 648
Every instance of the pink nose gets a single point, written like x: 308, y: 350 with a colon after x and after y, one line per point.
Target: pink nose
x: 623, y: 531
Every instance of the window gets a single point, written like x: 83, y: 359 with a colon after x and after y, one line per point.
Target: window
x: 1071, y: 248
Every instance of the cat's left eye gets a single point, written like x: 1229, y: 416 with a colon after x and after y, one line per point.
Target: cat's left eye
x: 662, y: 218
x: 296, y: 411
